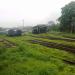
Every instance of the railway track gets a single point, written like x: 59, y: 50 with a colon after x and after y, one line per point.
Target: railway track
x: 57, y: 46
x: 55, y: 38
x: 54, y: 45
x: 7, y: 43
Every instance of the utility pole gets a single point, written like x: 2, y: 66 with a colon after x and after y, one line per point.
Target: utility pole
x: 23, y: 23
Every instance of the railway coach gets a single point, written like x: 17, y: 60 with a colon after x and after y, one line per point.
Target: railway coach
x: 14, y: 32
x: 40, y: 29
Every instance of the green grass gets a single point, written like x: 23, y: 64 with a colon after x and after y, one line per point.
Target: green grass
x: 34, y: 59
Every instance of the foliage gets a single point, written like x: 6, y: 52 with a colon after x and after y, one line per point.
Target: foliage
x: 67, y: 18
x: 54, y: 27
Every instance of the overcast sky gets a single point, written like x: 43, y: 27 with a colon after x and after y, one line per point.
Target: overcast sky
x: 12, y: 12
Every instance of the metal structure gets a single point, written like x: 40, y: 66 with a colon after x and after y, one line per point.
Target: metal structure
x: 39, y: 29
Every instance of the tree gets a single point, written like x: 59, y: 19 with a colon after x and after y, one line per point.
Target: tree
x: 51, y: 23
x: 54, y: 27
x: 67, y: 19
